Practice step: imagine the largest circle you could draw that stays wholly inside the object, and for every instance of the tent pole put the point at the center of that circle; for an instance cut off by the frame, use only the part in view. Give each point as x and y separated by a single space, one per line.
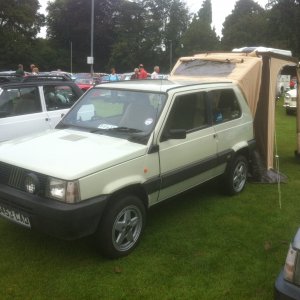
297 152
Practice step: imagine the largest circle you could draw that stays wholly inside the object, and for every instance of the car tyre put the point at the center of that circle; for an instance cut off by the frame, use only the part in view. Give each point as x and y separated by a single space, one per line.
121 227
236 176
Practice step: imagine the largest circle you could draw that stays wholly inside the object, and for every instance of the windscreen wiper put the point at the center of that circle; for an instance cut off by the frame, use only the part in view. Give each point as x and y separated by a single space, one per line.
125 129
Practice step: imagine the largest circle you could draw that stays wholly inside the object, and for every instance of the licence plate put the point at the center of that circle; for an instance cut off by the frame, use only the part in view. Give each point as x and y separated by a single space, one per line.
14 216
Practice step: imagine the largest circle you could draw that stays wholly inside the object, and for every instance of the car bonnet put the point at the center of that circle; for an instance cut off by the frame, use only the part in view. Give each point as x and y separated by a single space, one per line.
67 154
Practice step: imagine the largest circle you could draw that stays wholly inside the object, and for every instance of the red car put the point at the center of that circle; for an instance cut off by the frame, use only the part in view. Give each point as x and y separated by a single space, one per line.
84 83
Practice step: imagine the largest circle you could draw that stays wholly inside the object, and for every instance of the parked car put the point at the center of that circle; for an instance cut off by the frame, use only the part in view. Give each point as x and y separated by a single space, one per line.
106 78
122 148
84 83
287 285
85 80
126 76
33 105
290 101
59 72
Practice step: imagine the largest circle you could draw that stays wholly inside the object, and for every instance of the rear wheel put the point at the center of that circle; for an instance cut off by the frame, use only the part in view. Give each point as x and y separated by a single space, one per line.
236 175
121 227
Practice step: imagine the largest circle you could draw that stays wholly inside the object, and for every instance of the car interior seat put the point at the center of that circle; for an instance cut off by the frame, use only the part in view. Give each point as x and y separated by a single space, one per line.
182 115
225 105
139 114
200 112
6 105
27 104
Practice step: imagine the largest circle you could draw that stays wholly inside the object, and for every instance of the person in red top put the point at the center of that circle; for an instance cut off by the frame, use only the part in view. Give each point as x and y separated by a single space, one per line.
143 74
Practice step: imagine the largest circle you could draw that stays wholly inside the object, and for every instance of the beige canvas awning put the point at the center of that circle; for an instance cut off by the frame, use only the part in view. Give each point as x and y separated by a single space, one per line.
255 73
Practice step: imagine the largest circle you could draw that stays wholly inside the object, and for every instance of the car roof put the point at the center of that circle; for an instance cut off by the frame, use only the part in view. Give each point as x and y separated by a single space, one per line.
157 85
43 79
6 78
292 92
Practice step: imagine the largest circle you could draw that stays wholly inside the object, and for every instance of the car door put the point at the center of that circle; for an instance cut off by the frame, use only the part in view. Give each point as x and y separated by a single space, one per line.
21 112
226 120
58 98
188 159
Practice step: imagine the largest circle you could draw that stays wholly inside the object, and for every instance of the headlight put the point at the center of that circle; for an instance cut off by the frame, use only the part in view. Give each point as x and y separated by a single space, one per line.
65 191
31 183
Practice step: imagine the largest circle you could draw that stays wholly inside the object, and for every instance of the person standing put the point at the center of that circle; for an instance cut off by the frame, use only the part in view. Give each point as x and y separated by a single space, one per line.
154 75
35 70
32 66
135 75
143 73
113 76
20 71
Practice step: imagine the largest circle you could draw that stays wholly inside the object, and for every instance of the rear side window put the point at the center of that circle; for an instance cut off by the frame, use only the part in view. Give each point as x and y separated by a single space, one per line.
225 106
19 101
59 97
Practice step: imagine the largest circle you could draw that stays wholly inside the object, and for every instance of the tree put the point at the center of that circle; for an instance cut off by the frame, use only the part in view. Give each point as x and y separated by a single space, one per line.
144 30
200 36
70 20
175 29
283 24
129 26
19 24
246 26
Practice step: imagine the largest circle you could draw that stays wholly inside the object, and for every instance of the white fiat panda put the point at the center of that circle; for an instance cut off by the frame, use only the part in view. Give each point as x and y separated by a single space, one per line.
122 148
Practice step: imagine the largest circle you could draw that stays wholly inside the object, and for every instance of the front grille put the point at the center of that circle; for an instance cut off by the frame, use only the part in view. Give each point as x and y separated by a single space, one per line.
15 176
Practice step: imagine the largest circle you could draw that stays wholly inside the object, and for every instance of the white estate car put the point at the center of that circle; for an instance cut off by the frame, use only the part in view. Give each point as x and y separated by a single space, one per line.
290 101
122 148
35 105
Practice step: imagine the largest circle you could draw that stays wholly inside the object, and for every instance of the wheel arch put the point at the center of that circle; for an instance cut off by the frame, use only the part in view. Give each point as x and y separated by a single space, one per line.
245 151
135 189
245 148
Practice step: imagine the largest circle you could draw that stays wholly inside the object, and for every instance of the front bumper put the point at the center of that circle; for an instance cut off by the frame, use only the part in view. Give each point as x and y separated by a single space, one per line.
284 290
65 221
290 107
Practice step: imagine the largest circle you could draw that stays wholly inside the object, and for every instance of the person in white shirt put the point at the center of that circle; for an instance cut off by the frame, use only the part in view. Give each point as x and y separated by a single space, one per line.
154 75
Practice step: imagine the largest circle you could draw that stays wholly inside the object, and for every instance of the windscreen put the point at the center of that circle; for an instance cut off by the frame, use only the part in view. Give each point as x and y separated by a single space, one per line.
204 68
122 113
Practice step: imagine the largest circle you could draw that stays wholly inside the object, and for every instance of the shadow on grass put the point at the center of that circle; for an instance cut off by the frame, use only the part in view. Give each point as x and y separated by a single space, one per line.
29 244
16 239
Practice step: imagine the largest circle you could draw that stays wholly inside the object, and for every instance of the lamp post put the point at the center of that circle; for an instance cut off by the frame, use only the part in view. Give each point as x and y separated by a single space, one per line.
71 57
92 38
171 54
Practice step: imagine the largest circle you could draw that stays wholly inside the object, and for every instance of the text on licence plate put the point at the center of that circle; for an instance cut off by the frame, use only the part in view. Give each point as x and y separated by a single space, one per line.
14 216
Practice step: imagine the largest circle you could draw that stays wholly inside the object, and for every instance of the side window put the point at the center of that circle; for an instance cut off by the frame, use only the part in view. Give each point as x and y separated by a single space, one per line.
19 101
59 97
225 106
6 102
188 112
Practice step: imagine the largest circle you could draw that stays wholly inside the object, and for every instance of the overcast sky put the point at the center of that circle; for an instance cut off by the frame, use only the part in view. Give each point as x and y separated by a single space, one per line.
220 9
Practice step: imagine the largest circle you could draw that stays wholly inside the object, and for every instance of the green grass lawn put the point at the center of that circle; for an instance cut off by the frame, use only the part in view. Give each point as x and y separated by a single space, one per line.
199 245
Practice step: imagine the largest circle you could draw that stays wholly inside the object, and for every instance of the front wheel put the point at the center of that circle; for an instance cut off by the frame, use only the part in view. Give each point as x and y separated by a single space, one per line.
236 175
121 227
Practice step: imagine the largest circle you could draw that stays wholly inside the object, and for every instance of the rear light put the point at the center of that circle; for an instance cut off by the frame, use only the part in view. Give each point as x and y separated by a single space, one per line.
291 271
290 265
